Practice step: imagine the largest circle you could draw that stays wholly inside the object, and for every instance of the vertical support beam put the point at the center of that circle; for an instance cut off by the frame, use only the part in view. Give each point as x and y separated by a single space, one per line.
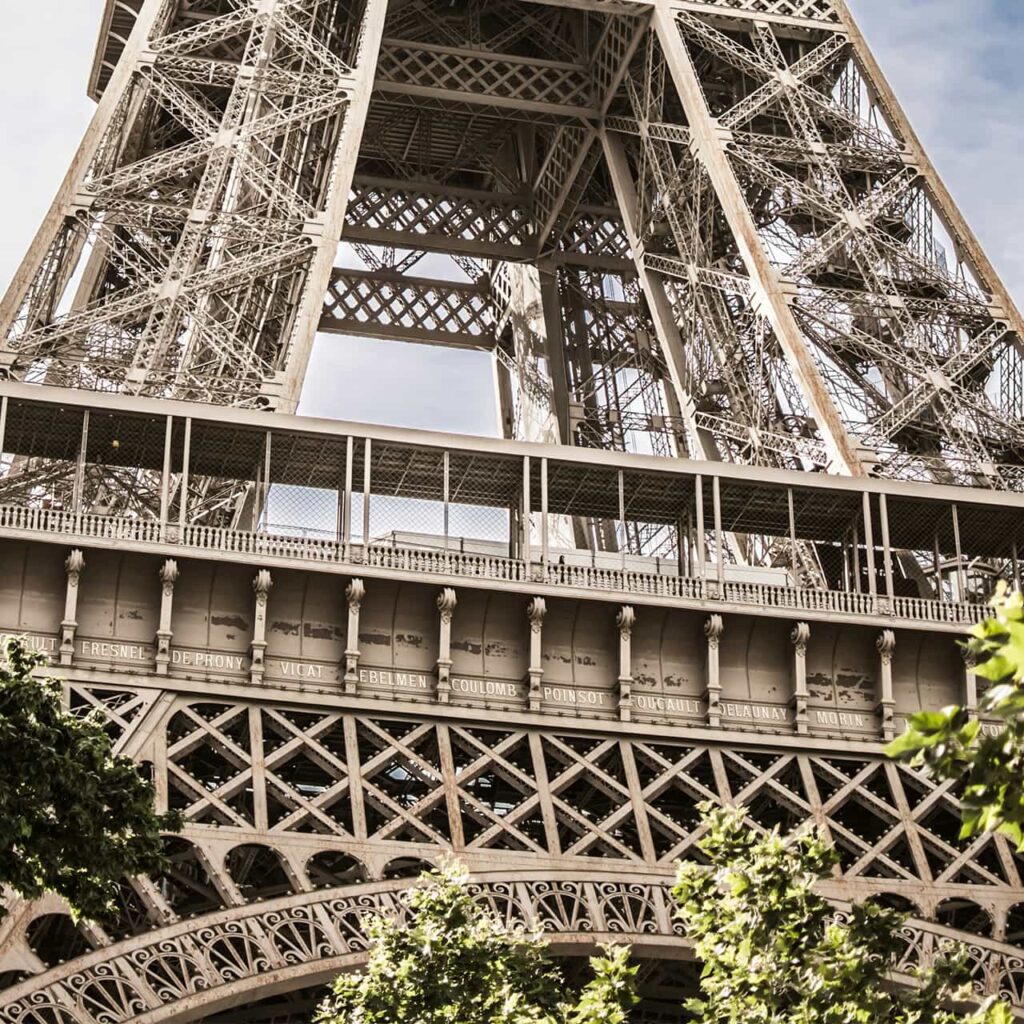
263 511
1015 562
771 294
544 516
624 622
165 478
623 540
79 485
447 493
716 498
961 576
3 422
164 635
355 777
73 566
535 612
800 636
702 555
883 515
869 544
886 644
857 584
526 540
258 649
346 508
446 602
714 627
186 458
354 594
794 561
367 456
970 660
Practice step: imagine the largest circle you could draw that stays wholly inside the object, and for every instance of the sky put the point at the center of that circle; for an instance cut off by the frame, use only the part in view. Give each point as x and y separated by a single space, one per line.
955 64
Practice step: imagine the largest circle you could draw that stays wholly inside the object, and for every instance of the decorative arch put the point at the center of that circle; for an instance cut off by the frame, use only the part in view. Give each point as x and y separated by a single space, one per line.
191 969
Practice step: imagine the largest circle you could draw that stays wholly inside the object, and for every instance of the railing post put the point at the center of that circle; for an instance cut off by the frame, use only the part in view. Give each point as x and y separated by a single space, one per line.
535 612
73 566
800 637
624 622
446 602
886 644
261 585
168 577
714 627
165 477
354 594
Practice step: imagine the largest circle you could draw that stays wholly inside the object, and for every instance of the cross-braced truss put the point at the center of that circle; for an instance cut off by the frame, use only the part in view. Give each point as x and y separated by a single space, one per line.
743 253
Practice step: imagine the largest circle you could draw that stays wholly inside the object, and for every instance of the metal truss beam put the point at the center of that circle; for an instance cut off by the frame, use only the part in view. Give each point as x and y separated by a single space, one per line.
381 304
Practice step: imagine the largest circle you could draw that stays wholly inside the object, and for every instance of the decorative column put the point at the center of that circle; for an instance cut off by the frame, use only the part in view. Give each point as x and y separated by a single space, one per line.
535 612
714 627
168 577
73 566
261 584
886 644
446 602
800 636
625 621
354 594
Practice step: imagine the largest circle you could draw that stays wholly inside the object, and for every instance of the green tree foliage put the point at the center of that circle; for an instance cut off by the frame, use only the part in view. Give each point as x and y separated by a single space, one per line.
74 818
948 745
774 953
453 962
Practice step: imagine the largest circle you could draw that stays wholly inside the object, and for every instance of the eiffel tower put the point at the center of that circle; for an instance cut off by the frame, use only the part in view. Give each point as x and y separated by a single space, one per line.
761 398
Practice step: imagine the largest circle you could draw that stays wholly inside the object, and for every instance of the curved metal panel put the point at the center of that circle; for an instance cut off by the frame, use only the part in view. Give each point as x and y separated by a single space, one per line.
213 619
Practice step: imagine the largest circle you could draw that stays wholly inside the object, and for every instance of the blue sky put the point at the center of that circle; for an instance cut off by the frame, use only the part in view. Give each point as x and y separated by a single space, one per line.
957 66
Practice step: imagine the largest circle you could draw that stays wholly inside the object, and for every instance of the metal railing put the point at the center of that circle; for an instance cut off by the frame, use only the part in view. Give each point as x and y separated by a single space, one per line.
82 527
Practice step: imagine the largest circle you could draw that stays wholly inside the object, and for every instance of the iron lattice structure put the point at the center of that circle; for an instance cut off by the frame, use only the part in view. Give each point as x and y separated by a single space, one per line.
700 239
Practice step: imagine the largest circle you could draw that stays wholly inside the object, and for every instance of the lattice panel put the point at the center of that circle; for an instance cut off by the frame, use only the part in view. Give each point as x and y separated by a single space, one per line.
812 10
395 212
393 306
480 75
478 788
